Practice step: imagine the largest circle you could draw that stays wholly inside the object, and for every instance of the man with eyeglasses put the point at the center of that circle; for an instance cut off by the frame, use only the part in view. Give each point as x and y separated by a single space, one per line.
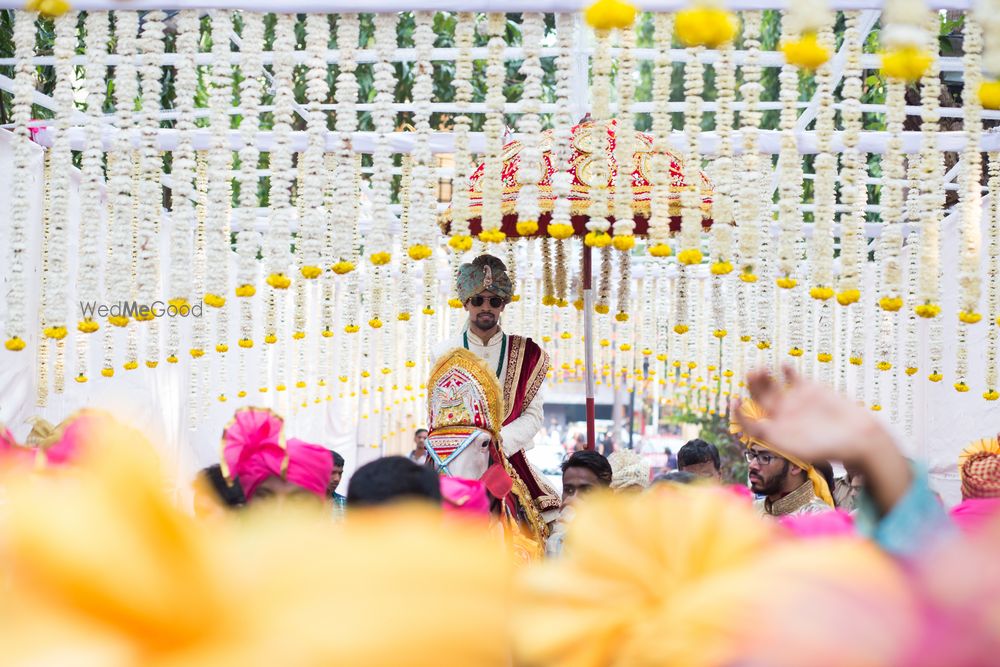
788 485
520 365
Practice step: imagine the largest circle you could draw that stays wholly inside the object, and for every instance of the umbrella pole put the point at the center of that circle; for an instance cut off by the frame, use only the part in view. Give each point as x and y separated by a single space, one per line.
588 344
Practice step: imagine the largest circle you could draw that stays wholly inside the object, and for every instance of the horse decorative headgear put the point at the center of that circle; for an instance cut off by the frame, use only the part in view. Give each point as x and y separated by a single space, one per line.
464 400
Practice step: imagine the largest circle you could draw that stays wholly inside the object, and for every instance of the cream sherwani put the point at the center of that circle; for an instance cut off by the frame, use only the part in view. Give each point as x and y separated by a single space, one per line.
519 434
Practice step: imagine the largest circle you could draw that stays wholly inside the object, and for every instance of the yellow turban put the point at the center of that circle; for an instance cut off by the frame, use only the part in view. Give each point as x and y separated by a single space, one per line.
752 411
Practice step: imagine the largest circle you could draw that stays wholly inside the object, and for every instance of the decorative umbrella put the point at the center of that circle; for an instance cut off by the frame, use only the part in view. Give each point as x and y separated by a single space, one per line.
583 158
581 166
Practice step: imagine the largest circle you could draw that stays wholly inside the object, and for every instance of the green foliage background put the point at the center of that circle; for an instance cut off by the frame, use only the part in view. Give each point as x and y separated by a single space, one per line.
444 27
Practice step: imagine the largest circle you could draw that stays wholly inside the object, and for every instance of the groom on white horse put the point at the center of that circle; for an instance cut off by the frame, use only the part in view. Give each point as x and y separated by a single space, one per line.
519 363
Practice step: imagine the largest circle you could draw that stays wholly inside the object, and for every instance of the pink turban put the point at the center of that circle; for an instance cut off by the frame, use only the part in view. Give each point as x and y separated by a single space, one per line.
973 514
464 496
254 449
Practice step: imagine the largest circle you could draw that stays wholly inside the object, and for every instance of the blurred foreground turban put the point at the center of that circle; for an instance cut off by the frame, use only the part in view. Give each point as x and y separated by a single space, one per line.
100 569
50 445
254 448
485 272
959 584
13 456
752 411
979 467
686 575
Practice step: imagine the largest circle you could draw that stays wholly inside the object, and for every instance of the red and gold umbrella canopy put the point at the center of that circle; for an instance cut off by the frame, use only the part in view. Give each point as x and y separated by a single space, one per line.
581 165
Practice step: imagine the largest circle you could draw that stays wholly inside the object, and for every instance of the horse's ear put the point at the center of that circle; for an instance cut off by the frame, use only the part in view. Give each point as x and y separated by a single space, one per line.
497 481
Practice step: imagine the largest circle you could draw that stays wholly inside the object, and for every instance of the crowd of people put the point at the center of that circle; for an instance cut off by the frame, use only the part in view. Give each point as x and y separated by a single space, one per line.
680 569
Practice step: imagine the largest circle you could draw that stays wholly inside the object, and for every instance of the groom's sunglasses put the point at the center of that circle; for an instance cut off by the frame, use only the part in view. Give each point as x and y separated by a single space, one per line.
477 301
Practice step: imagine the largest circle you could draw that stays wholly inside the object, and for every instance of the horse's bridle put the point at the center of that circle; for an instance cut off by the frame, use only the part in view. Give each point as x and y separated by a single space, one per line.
442 464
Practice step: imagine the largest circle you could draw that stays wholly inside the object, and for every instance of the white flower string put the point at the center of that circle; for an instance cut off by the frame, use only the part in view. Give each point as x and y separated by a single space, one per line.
969 286
135 204
55 300
266 354
694 85
277 242
378 245
199 261
301 295
182 222
548 273
530 171
604 288
625 144
854 171
682 312
197 391
843 344
248 240
722 203
24 90
281 354
150 192
561 275
511 262
854 197
650 314
406 201
821 247
825 165
560 225
219 163
932 193
430 289
465 29
893 177
748 220
765 294
600 91
309 244
659 212
116 285
424 209
624 286
789 177
328 284
491 215
992 392
911 341
45 347
346 207
92 211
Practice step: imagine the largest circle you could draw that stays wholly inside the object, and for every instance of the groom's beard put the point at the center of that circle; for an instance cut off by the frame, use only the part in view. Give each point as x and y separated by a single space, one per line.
485 321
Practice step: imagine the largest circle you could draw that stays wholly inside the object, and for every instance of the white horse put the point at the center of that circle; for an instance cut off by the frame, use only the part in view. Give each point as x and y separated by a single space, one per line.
465 409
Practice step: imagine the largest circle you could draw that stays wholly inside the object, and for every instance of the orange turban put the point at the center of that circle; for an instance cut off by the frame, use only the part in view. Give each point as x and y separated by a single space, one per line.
752 411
